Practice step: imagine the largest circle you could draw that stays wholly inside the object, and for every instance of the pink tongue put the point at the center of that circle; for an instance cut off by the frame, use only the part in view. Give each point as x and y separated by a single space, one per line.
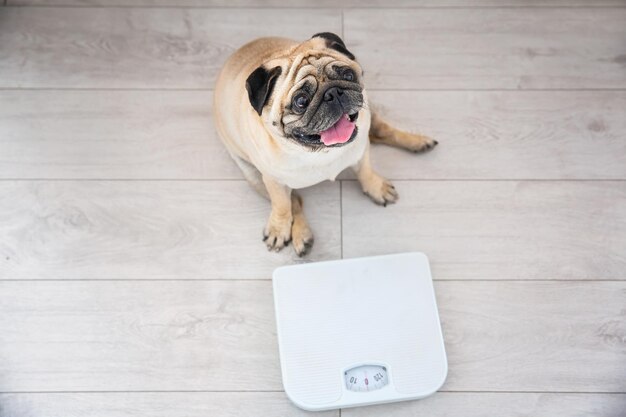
339 133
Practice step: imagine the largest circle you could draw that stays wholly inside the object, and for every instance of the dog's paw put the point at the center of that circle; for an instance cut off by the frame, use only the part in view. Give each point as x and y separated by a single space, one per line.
301 236
380 190
277 232
417 143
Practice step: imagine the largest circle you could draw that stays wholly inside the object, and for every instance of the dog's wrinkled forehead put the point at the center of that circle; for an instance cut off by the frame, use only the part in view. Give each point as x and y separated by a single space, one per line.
316 59
315 54
317 68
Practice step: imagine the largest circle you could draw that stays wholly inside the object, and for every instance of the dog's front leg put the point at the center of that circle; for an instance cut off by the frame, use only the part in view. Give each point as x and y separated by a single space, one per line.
301 234
379 189
277 232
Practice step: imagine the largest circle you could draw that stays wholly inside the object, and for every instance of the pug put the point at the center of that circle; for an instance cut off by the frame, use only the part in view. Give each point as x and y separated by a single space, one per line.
294 114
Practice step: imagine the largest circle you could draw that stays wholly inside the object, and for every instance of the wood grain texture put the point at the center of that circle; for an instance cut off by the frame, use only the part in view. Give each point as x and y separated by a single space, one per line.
220 335
148 286
111 135
266 4
200 404
143 230
138 335
446 404
320 3
171 404
496 230
489 48
107 46
137 48
469 3
507 134
170 135
534 336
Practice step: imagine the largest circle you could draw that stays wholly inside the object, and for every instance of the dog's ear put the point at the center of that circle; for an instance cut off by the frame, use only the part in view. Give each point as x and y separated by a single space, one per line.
260 85
335 42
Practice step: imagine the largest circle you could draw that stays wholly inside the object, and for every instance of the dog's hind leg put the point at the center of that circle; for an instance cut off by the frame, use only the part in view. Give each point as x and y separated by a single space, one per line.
252 175
383 132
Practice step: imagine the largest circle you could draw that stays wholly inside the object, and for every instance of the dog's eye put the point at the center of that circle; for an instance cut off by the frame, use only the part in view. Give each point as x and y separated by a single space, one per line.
301 101
348 75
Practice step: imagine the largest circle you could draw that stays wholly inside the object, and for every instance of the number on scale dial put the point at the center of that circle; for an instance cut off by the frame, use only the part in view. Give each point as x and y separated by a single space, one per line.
366 378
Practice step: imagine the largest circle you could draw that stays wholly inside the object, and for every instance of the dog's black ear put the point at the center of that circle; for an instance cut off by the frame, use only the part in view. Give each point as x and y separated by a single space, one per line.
260 85
335 42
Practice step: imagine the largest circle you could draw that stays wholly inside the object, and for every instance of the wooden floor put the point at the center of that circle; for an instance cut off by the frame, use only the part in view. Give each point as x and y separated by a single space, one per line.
133 280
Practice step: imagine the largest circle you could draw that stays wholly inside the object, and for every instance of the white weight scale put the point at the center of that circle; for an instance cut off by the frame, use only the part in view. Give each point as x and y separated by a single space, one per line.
359 331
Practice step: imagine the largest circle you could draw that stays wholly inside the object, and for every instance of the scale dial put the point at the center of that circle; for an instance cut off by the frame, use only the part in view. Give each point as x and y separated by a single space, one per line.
366 378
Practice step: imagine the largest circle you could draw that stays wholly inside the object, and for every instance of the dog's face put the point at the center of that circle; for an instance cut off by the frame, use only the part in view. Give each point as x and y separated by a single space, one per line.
312 95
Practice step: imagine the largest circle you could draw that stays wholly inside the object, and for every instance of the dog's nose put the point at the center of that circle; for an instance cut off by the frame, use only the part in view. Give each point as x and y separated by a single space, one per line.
333 93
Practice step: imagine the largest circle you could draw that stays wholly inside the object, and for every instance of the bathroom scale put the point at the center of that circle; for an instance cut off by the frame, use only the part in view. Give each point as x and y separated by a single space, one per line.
358 332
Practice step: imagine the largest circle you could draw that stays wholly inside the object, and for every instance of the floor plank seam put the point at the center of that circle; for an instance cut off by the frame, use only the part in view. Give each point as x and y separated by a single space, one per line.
599 89
341 217
534 392
183 7
343 31
138 392
346 179
282 391
500 179
383 90
471 7
104 89
321 8
134 279
269 279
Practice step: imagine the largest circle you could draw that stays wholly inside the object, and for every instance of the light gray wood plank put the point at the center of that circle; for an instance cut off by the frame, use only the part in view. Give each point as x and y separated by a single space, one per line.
137 48
220 335
183 3
320 3
508 134
534 336
111 135
138 335
496 230
170 404
489 48
447 404
468 3
142 230
170 135
174 404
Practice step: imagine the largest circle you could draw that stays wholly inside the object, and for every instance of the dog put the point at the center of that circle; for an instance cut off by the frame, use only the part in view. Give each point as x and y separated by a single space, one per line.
294 114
